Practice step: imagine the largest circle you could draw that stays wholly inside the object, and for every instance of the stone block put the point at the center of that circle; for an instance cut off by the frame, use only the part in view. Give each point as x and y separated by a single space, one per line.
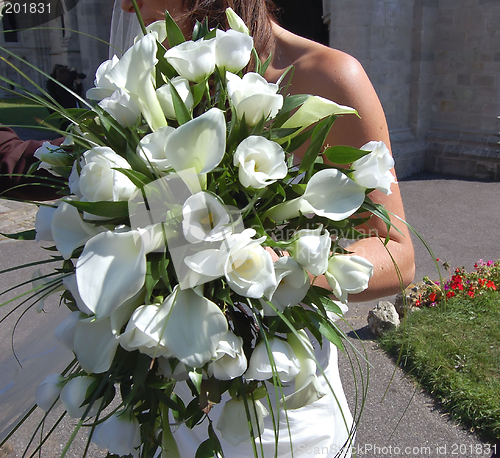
464 80
483 80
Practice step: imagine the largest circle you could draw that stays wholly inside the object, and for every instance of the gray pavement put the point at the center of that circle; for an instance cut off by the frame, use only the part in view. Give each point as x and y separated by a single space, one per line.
459 219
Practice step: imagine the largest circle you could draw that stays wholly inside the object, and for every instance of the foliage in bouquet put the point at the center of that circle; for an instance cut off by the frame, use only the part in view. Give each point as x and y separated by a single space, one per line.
190 242
485 277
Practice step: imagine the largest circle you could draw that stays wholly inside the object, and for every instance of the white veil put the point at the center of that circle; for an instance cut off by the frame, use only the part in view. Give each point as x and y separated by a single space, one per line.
124 28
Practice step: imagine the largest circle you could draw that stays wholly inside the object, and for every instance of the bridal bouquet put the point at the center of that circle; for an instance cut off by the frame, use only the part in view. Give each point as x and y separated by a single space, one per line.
190 243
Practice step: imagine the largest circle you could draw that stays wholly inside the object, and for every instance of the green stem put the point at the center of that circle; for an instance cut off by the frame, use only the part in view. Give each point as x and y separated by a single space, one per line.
169 446
139 17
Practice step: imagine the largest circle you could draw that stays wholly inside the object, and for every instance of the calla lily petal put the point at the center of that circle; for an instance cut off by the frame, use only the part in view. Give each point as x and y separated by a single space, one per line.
314 109
233 421
95 345
120 434
307 386
194 328
111 269
134 73
43 224
69 230
198 144
329 193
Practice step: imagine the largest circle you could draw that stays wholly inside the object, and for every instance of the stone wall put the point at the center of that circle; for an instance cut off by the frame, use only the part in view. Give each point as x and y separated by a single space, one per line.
45 48
436 67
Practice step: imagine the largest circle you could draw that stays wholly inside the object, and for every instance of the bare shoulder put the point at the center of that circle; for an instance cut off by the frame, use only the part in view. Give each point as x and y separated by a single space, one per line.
333 74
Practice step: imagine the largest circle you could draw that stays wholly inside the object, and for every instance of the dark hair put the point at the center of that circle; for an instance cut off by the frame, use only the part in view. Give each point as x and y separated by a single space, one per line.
257 15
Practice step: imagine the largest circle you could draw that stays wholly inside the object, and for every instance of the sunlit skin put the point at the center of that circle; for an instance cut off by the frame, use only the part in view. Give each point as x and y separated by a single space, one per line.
332 74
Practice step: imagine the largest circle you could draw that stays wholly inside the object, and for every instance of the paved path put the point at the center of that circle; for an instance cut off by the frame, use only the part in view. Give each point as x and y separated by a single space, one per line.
460 220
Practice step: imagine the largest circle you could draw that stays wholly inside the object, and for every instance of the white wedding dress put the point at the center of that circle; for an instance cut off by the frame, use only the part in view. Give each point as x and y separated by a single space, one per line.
323 429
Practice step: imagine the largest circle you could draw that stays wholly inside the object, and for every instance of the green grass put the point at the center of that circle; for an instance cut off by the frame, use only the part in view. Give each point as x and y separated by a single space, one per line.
453 350
22 112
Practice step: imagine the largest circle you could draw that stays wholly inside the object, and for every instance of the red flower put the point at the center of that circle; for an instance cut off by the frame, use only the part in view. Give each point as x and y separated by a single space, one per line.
432 297
450 294
491 284
470 293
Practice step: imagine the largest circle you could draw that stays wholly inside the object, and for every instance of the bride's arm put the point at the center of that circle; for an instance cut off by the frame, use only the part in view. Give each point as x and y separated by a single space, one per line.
340 77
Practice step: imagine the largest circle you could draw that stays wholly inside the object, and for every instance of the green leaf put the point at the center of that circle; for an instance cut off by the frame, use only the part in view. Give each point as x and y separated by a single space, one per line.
163 67
139 179
174 34
104 208
181 112
200 29
165 399
141 369
138 164
326 328
344 154
290 103
318 138
265 65
193 413
206 450
25 235
299 140
279 133
198 91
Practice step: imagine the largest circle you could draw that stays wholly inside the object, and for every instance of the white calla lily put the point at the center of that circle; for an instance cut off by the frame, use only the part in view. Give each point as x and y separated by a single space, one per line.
164 94
120 434
121 107
311 249
158 27
103 86
313 110
47 393
235 22
134 73
308 389
43 224
65 330
348 274
232 50
144 331
205 219
204 266
253 97
69 230
194 60
373 171
111 269
179 372
286 364
199 144
233 421
74 394
69 283
194 327
292 285
95 344
260 162
44 287
329 193
230 360
152 148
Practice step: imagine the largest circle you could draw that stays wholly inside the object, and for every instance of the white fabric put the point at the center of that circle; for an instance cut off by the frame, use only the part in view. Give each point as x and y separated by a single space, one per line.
124 28
317 431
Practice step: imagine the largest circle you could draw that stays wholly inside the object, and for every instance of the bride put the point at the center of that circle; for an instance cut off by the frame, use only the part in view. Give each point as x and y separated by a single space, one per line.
324 427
